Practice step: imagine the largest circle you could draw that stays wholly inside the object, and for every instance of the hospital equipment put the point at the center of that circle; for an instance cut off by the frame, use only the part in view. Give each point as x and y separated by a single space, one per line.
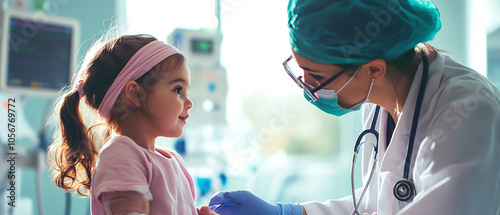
37 53
208 89
404 190
207 124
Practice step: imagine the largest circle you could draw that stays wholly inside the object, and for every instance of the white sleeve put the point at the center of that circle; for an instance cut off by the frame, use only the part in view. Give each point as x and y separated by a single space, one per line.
343 205
340 206
456 168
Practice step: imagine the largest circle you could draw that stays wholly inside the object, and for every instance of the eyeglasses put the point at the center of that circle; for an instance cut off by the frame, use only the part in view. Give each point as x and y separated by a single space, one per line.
311 93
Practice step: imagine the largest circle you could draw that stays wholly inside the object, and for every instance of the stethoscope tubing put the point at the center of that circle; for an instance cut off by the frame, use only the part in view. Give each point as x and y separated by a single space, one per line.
356 205
373 131
416 115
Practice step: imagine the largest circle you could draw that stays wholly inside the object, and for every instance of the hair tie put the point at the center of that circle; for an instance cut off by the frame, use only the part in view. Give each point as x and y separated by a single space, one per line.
79 87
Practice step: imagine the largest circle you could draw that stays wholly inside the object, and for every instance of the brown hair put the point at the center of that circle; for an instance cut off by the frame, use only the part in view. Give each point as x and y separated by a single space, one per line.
401 63
73 153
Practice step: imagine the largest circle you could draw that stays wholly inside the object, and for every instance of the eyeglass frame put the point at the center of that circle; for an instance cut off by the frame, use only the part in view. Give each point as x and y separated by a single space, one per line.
310 92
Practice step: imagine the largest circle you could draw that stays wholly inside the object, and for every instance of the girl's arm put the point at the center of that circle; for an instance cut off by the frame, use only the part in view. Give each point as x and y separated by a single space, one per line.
125 203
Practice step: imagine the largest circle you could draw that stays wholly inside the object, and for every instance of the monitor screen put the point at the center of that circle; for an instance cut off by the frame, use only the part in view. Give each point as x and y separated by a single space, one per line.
202 46
38 56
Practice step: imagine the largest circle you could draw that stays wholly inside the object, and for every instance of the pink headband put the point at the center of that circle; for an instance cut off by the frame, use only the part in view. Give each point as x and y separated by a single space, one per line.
145 59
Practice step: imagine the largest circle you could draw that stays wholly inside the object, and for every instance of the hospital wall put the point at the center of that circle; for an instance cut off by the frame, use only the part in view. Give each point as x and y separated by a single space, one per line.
470 33
494 57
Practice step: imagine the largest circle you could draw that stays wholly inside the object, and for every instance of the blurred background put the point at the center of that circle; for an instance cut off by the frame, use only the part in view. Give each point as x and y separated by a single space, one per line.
250 127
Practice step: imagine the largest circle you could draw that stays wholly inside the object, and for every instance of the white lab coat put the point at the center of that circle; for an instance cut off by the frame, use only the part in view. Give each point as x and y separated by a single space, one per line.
456 157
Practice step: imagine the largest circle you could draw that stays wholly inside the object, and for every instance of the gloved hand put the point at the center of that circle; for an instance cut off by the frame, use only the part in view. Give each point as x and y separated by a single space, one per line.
243 202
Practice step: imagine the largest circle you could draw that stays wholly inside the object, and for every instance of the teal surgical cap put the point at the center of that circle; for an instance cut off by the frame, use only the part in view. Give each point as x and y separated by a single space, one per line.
359 31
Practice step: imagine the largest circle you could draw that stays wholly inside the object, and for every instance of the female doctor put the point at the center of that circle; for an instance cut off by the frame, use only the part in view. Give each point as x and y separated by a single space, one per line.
434 122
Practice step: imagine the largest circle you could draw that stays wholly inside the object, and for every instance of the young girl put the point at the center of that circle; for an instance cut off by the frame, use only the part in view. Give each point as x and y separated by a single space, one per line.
137 86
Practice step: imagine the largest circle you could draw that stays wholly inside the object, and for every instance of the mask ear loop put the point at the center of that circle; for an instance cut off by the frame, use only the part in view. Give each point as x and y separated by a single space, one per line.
366 99
370 90
357 70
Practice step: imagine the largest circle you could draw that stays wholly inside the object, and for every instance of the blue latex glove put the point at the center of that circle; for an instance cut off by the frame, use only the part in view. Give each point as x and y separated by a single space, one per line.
243 202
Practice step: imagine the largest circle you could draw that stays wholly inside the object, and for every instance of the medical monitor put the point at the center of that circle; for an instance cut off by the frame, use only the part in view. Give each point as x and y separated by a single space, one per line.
37 53
202 47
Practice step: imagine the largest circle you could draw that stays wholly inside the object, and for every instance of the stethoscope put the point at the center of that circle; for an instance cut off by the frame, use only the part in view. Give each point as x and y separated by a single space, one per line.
404 190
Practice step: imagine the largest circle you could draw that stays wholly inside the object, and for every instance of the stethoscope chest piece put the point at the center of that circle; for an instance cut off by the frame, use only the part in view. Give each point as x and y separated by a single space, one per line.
404 190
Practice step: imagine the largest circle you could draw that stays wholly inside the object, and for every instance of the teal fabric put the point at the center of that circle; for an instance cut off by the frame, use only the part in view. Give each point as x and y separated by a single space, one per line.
359 31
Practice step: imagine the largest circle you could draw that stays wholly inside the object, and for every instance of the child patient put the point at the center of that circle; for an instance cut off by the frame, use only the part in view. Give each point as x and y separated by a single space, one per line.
137 87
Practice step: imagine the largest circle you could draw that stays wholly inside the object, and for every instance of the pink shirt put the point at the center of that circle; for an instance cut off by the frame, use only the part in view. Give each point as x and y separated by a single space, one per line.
124 166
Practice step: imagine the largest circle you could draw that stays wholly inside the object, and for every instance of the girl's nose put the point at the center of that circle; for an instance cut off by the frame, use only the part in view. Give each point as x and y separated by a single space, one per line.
189 104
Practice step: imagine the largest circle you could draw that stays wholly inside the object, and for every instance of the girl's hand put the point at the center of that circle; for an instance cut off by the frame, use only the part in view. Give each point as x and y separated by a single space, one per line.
205 210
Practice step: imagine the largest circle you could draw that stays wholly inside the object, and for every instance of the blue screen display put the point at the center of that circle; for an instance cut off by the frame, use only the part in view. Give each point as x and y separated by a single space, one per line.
39 55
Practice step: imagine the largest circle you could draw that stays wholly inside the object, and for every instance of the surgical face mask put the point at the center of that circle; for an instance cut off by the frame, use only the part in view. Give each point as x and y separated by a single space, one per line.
328 100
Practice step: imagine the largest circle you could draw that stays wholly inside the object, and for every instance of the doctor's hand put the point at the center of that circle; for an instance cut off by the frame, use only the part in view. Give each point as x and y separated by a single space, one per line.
245 203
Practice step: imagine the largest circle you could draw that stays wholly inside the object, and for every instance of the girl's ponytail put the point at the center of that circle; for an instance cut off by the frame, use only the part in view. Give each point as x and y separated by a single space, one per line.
75 152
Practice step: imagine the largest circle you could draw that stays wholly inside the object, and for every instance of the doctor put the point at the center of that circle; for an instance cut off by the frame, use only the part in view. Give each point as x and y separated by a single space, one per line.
434 122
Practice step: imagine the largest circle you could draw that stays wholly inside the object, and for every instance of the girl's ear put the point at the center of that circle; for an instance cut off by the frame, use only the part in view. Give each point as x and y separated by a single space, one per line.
134 93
